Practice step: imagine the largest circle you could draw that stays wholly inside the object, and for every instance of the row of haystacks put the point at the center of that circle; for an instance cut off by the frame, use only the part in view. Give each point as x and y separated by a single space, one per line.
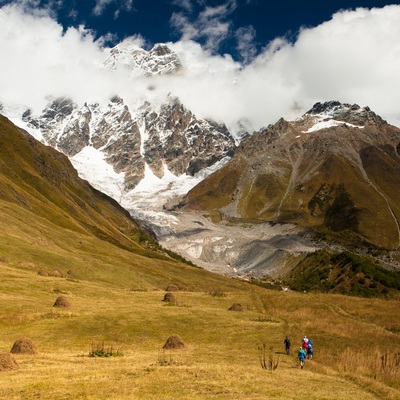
56 273
171 299
25 345
175 341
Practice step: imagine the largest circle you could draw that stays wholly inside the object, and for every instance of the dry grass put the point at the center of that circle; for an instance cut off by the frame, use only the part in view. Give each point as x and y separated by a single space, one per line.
221 360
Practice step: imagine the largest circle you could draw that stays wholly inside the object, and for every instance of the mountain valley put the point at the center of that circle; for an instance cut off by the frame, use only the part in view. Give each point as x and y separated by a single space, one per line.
235 203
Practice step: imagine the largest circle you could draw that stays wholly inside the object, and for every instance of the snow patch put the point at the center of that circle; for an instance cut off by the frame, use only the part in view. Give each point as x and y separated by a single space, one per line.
329 123
14 114
91 165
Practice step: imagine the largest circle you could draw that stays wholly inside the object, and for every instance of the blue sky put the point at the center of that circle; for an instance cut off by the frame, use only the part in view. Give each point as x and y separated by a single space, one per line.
241 28
246 61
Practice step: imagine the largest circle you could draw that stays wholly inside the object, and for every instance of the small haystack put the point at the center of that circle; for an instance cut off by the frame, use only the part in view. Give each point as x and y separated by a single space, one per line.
42 272
23 346
174 342
56 273
235 307
61 301
7 362
170 298
172 288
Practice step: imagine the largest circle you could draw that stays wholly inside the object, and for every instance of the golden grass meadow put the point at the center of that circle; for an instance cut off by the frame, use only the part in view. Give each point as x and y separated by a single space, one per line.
356 342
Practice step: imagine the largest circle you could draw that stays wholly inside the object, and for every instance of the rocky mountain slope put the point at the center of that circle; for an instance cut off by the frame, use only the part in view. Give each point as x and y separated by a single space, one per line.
337 168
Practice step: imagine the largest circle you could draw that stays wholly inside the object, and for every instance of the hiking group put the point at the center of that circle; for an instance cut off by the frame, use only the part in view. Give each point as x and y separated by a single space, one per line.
306 350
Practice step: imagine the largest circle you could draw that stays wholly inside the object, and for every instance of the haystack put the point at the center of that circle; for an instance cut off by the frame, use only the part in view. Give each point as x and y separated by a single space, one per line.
23 346
56 273
172 288
170 298
61 301
174 342
235 307
42 272
7 362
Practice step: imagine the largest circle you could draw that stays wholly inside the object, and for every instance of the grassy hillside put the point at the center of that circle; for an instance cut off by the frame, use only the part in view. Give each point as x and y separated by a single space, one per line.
344 272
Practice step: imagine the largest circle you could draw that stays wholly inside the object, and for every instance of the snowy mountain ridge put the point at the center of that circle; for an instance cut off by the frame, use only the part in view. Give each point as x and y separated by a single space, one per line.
159 60
115 148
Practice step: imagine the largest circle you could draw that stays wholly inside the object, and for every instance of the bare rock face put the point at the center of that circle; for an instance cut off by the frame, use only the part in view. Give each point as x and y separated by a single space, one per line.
183 142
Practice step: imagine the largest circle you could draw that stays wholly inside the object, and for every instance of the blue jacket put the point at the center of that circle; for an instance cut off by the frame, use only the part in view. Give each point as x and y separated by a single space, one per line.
302 355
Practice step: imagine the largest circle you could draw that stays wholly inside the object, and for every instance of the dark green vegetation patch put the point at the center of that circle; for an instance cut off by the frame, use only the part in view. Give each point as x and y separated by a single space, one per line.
342 272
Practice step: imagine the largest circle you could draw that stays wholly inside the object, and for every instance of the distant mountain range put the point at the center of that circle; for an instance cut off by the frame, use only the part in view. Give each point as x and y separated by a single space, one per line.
335 171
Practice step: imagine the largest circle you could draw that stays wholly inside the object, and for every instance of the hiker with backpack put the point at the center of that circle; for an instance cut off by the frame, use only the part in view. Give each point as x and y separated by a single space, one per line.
310 350
304 344
287 345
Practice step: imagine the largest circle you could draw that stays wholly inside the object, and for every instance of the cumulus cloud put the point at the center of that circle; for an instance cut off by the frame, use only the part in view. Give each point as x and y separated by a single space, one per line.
354 57
39 59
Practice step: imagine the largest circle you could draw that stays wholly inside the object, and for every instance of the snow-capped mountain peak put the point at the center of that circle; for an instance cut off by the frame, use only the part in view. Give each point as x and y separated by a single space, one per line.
333 113
169 142
159 60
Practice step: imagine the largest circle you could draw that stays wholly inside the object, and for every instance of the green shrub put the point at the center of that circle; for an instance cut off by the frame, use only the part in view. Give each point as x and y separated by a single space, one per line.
100 350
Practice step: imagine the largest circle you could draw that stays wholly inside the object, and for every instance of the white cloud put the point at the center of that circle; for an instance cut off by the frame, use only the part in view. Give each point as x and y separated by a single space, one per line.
39 59
211 24
187 5
245 43
121 5
100 6
354 57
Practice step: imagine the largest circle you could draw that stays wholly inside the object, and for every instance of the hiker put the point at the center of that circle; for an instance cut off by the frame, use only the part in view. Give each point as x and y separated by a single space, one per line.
287 345
310 350
302 356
